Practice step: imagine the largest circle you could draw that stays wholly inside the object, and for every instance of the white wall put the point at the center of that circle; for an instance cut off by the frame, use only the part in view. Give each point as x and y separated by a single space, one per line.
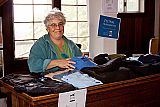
98 44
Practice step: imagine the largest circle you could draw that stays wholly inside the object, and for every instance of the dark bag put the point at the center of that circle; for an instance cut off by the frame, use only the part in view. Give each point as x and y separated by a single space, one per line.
110 66
112 71
18 79
146 69
149 59
36 86
101 59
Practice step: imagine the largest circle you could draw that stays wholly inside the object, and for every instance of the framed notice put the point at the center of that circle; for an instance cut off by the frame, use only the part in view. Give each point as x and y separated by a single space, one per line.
110 6
109 27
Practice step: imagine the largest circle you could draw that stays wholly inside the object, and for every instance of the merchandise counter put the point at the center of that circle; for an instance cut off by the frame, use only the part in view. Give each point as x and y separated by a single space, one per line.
142 91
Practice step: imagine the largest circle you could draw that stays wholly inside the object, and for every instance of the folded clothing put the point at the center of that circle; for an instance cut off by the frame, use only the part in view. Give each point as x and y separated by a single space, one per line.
47 86
149 59
78 79
36 86
82 62
146 69
101 59
111 71
18 79
106 77
110 66
104 58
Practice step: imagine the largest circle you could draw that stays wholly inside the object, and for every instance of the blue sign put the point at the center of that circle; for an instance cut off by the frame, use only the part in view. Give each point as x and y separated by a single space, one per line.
109 27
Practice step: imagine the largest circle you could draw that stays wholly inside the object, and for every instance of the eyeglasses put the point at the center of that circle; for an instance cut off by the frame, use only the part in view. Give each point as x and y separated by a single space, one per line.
54 25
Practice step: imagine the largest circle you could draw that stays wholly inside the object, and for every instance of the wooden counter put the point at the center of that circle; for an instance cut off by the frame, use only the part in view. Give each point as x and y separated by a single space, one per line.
138 92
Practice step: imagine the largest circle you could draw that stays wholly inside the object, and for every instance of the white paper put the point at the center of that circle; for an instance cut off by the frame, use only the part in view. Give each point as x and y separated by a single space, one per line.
75 98
109 6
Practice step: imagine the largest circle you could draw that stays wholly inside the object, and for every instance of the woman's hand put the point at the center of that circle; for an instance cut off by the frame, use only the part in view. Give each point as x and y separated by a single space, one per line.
62 63
65 63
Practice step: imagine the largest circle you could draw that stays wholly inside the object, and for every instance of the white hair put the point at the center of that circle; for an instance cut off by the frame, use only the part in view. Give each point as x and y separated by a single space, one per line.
54 13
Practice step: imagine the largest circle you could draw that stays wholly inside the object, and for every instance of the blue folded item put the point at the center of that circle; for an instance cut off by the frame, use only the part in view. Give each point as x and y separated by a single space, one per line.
82 62
78 79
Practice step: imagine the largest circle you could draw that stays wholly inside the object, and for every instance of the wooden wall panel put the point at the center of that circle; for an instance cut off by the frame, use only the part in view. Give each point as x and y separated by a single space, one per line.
7 29
136 30
159 29
2 2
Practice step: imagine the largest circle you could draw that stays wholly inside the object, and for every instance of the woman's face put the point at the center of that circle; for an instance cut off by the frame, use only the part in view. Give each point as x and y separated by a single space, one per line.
56 29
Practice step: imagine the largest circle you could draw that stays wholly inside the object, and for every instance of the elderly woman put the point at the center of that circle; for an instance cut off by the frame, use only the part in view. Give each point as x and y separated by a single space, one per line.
53 50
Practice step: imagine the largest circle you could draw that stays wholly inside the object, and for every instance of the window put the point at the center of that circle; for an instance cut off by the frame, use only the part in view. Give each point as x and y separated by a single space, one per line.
28 23
130 6
76 27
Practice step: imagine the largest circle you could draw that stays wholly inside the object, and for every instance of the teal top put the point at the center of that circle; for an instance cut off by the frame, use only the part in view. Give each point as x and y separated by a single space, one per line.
66 51
43 51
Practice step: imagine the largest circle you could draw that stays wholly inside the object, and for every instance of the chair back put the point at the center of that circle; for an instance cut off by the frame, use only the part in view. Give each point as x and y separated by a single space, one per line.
154 46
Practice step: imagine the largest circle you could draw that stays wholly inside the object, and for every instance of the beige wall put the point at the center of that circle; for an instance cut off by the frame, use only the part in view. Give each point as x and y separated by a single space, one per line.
98 44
